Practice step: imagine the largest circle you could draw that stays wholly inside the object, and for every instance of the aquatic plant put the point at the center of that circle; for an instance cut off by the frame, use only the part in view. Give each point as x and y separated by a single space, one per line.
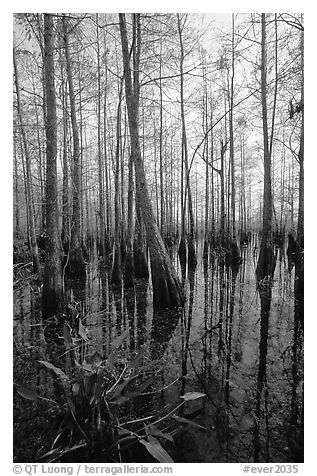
93 421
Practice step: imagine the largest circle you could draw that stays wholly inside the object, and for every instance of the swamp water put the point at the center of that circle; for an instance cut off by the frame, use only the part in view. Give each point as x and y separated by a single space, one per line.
241 347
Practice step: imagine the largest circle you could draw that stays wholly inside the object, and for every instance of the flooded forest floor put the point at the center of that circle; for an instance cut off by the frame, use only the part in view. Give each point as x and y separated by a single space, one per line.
237 354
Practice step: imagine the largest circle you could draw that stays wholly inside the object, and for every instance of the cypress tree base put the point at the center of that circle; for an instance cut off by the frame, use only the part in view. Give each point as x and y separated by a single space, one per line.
76 265
266 261
167 291
52 302
141 268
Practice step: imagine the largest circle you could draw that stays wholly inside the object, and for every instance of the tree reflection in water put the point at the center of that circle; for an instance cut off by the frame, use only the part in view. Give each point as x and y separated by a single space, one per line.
262 388
243 348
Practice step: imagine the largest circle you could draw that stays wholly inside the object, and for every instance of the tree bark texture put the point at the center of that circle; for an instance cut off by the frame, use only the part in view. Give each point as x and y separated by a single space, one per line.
52 297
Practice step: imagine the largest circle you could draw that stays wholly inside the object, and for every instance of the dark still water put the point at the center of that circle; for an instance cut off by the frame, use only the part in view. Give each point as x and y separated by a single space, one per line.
241 347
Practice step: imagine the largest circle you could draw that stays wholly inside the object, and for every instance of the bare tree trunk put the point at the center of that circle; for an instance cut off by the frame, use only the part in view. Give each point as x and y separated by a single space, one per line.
108 221
243 215
29 192
266 260
140 245
107 194
40 39
25 190
167 290
155 178
140 253
300 216
192 260
173 197
234 249
206 154
100 158
282 221
52 297
76 264
222 194
17 231
116 274
41 194
82 231
122 181
129 263
163 215
212 191
65 235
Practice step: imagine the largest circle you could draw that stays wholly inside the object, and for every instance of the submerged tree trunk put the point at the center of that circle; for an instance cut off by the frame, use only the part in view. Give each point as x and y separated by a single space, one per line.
76 264
167 290
52 297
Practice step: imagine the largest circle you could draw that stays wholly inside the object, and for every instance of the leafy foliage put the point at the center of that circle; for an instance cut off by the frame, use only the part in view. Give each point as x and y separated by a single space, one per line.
155 449
93 424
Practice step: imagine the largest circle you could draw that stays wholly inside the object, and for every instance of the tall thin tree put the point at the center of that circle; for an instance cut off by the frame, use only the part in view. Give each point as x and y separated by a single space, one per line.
235 253
52 297
266 260
76 264
100 153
